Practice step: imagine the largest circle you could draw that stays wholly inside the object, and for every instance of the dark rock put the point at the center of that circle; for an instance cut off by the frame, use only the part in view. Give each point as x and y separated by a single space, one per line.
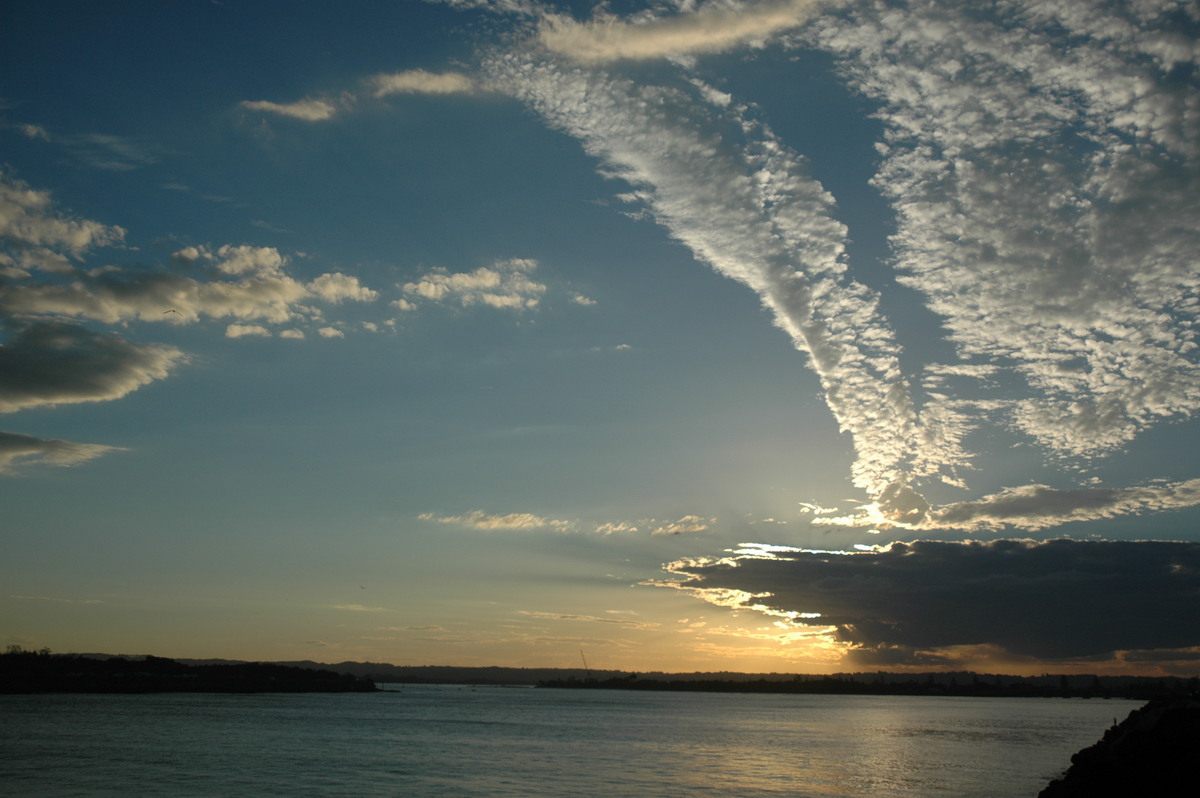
1154 753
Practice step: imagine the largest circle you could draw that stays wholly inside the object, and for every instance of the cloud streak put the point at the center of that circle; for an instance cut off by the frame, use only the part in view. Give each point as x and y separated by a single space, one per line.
418 81
754 213
304 110
712 28
19 451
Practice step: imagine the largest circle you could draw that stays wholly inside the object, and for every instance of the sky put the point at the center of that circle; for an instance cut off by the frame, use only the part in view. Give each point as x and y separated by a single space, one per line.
747 335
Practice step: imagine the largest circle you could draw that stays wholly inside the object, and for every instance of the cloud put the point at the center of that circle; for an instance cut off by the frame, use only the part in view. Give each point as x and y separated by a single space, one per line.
35 132
685 525
337 287
330 332
615 528
18 451
742 202
52 363
477 519
1047 600
1034 507
562 616
29 223
57 600
1044 165
1044 168
246 283
305 110
506 284
418 81
108 152
244 330
712 28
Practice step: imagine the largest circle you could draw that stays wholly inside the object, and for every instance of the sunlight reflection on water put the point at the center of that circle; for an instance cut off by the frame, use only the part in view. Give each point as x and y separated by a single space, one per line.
449 740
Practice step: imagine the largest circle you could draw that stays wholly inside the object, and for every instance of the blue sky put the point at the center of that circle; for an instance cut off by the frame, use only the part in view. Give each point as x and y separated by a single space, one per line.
773 335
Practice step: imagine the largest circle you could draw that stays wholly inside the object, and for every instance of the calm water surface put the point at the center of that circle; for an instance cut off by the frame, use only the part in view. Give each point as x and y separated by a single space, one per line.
494 741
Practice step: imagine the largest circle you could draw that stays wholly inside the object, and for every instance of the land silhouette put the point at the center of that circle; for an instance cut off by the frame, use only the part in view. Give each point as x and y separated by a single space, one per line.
43 671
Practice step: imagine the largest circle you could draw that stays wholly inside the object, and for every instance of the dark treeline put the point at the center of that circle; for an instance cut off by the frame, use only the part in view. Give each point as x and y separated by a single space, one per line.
938 684
42 672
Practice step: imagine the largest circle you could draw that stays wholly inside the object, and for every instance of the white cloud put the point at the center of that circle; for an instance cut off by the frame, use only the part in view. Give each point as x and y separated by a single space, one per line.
477 519
1046 183
1036 507
330 332
1044 164
27 219
712 28
755 215
337 287
306 110
295 335
685 525
418 81
615 527
506 284
243 283
244 330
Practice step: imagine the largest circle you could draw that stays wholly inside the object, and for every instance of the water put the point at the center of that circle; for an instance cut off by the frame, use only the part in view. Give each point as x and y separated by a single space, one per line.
426 740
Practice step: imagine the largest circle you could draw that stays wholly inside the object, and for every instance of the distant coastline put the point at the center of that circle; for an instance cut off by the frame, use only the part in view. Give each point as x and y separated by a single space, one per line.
42 672
27 671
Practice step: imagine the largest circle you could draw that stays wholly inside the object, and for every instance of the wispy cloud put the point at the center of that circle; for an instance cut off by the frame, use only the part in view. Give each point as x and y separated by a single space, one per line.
713 27
477 519
418 81
688 524
18 451
57 600
563 616
304 110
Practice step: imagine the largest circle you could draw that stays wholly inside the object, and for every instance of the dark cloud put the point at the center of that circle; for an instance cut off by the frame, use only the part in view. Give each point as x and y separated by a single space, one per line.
1047 600
20 450
52 363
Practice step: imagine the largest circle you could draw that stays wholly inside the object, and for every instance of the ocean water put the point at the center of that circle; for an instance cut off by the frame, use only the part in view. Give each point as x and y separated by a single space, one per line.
420 740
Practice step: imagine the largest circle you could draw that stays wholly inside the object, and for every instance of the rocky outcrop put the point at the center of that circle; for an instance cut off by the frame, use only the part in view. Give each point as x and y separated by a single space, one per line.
1154 753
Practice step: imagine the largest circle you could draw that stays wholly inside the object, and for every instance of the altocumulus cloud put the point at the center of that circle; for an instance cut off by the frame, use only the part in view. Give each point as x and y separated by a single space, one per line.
712 28
506 284
924 601
1043 166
